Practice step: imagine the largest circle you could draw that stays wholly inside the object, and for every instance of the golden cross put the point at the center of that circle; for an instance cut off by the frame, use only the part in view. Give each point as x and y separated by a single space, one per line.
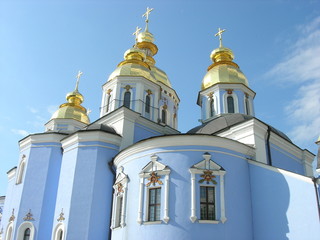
136 33
219 33
147 13
78 78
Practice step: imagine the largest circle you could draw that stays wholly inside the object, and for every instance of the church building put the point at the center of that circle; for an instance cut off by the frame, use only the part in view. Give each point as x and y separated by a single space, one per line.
132 175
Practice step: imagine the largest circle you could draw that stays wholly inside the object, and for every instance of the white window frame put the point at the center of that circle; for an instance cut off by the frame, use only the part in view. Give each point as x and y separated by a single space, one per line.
122 179
164 172
60 227
197 169
22 229
21 170
9 232
235 102
248 111
215 105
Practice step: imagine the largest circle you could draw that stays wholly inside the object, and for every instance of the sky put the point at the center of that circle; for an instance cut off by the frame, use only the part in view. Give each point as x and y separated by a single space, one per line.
43 45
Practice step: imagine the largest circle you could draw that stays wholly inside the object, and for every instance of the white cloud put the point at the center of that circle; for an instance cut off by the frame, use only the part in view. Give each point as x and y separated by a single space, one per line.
32 109
20 132
301 67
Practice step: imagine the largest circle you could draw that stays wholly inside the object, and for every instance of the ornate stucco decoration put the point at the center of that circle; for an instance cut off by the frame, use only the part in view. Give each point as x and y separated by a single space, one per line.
119 188
29 216
11 219
61 216
208 177
153 179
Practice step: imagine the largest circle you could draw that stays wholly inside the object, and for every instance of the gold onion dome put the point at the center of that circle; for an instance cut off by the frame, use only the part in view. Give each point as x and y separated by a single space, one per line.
223 69
133 65
139 60
73 109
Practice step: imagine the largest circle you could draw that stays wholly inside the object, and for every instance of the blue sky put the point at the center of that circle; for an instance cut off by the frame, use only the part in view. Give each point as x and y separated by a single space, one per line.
43 44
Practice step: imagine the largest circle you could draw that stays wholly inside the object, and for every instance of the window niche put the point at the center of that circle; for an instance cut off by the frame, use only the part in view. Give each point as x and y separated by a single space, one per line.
154 193
119 199
26 231
21 170
207 192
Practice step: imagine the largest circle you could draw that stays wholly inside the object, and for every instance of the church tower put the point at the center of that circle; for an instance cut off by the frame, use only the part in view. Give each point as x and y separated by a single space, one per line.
139 95
70 116
224 88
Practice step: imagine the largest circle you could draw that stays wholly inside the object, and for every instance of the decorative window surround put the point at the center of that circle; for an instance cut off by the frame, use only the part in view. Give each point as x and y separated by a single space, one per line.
22 228
235 101
119 200
59 229
147 173
21 170
9 231
197 169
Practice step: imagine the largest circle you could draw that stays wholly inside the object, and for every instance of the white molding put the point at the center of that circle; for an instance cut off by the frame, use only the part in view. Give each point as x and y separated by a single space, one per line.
235 102
58 227
209 221
9 234
184 140
207 164
161 170
40 138
23 226
91 136
11 173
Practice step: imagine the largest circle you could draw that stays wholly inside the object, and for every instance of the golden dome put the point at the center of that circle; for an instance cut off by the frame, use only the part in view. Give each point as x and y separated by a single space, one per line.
72 109
145 36
161 76
223 69
133 65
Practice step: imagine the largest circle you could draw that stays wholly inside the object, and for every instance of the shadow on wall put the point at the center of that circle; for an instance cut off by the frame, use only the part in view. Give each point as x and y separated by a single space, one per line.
270 201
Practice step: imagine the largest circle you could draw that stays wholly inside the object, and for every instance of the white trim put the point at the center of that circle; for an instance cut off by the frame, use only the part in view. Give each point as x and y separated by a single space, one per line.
40 138
59 227
208 105
162 170
198 168
23 227
21 170
9 232
235 102
122 179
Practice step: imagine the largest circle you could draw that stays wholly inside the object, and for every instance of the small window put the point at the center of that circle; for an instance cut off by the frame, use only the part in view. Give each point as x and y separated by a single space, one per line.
212 111
60 234
21 170
207 203
119 211
154 204
26 235
164 116
247 106
147 107
230 103
127 98
108 103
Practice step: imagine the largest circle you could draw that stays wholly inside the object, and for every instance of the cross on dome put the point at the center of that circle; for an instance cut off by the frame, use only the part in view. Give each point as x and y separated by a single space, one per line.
219 33
147 13
136 33
78 79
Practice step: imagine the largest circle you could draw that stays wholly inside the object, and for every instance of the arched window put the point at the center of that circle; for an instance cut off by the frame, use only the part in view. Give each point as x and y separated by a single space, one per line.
127 98
164 116
147 107
9 231
26 235
247 106
230 104
108 102
59 232
26 231
21 170
212 111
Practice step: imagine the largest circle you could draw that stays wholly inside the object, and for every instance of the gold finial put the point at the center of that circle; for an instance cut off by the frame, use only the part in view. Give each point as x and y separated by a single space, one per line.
78 78
136 33
146 14
219 33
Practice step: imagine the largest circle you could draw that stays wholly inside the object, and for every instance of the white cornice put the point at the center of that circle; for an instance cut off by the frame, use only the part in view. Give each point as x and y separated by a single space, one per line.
40 138
184 140
90 136
11 173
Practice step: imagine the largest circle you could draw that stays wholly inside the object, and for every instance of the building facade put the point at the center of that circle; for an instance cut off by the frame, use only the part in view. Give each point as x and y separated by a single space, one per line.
132 175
